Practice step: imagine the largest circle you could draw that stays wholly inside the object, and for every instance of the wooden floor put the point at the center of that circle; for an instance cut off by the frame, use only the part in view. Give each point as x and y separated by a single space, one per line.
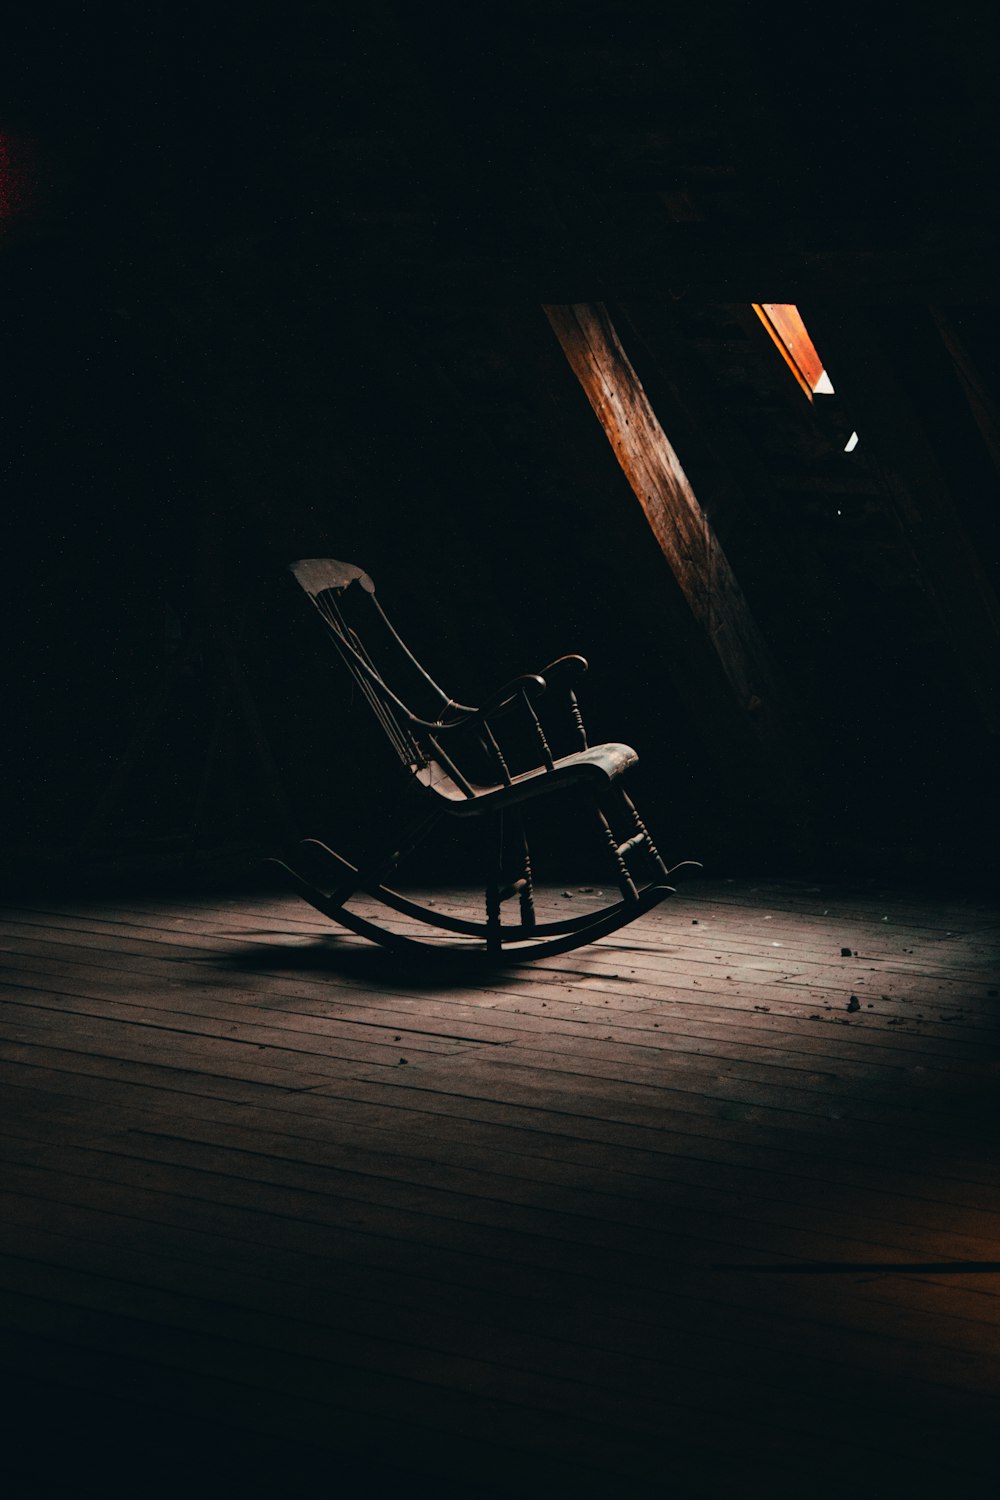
709 1209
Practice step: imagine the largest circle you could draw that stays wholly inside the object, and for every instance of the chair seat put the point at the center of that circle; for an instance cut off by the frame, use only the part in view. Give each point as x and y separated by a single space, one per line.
601 763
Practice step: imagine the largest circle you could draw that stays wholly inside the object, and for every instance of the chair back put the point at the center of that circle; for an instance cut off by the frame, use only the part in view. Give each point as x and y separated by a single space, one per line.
384 669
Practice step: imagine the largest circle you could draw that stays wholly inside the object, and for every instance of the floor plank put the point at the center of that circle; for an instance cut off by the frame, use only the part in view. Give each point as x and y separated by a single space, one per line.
713 1206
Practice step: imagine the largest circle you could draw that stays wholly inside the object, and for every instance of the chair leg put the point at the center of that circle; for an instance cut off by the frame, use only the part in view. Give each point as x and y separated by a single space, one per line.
643 831
526 895
625 882
500 889
494 895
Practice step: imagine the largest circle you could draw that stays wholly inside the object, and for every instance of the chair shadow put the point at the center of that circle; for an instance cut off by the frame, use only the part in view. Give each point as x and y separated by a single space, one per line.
331 955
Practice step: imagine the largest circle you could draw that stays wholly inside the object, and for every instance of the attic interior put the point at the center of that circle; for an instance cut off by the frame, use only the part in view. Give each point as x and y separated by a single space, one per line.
436 292
276 290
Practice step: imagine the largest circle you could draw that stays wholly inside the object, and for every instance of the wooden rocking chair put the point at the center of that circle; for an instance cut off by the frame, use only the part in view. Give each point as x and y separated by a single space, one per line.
452 754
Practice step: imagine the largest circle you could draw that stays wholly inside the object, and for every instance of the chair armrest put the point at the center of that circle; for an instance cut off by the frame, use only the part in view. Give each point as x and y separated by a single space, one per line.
531 684
516 693
562 676
562 673
565 672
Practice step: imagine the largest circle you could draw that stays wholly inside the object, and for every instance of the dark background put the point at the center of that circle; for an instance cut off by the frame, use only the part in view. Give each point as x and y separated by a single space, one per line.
272 285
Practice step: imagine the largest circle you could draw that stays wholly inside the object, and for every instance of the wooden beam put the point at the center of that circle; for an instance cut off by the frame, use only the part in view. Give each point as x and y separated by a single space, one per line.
683 531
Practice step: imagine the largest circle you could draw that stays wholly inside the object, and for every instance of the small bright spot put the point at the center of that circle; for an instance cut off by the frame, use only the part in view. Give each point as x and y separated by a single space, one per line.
852 443
824 385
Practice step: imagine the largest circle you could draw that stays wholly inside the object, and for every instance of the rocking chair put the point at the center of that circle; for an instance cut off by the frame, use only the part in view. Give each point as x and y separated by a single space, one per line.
453 757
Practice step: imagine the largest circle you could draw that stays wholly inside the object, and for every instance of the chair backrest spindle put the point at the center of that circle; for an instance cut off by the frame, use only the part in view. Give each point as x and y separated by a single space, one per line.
344 597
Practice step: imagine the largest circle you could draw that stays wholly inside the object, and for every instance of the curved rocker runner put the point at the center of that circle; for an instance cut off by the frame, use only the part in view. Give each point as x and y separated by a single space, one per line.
459 760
